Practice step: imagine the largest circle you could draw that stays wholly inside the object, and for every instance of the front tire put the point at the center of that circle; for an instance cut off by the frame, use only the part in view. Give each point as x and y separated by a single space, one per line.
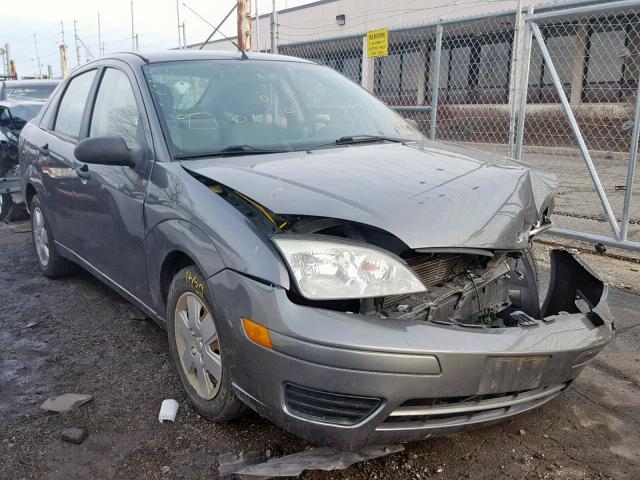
51 264
195 342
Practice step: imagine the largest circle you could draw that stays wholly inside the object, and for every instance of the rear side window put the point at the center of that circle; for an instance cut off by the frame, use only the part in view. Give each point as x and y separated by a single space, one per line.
71 109
115 111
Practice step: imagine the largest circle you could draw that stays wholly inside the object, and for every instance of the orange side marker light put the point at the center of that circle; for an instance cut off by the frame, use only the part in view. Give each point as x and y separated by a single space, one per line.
257 333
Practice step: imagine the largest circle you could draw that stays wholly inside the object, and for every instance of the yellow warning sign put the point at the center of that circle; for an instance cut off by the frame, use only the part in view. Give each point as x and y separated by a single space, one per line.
378 43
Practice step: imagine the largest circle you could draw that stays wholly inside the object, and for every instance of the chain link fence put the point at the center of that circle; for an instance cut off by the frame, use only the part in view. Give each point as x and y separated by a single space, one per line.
475 73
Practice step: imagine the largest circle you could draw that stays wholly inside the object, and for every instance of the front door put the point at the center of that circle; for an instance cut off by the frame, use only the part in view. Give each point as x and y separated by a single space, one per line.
109 199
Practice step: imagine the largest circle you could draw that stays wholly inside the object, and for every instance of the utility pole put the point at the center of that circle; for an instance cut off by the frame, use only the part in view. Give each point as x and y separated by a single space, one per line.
6 59
257 28
184 36
75 34
133 36
244 24
100 45
178 15
274 28
49 72
35 41
137 47
64 67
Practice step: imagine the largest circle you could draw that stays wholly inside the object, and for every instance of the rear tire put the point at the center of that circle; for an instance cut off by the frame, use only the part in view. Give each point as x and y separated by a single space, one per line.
51 264
196 345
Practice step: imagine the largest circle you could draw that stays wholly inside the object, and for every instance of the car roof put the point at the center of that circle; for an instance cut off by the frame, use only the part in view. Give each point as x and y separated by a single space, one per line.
175 55
16 102
29 83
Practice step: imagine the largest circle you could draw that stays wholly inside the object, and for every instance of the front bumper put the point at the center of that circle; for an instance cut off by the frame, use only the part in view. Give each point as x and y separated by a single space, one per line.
351 380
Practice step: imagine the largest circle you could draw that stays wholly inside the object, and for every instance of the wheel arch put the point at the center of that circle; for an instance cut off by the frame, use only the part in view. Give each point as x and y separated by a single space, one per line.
172 245
175 261
29 193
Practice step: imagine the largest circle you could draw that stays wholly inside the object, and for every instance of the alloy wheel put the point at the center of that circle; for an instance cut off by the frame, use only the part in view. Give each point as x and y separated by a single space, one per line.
40 236
197 345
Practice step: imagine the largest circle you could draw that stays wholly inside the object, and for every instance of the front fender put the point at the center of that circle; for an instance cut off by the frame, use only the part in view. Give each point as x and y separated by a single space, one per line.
182 236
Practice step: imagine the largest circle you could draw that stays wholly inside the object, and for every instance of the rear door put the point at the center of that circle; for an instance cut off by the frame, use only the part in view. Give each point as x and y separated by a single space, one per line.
109 199
56 143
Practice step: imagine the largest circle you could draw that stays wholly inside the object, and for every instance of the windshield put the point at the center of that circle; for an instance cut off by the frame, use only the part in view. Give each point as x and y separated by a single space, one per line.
209 106
21 114
35 92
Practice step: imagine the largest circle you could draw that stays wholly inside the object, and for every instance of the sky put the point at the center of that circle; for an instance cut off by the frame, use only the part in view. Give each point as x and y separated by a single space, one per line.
155 22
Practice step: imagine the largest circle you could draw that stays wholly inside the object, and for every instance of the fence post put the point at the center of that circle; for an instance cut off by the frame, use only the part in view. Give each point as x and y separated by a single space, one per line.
576 131
631 169
523 86
435 82
514 75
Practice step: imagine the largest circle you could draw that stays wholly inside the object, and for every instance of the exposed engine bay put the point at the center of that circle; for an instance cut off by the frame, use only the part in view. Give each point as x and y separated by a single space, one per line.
464 287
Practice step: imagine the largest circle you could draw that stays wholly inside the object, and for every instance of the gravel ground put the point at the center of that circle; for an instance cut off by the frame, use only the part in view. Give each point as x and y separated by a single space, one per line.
76 335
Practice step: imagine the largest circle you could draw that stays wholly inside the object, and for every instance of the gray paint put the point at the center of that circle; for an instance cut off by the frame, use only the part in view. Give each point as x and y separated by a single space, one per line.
411 191
121 224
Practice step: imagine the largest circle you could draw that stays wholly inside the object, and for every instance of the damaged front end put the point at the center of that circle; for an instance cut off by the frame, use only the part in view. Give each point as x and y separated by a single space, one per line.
463 287
401 343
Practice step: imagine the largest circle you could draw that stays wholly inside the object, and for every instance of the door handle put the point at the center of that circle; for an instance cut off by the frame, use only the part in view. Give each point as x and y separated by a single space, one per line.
83 172
44 149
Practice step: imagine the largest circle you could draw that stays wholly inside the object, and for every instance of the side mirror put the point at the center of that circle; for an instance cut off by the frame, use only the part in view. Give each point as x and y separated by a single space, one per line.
105 151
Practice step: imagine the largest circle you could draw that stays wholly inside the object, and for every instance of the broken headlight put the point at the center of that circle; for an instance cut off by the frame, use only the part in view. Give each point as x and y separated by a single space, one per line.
327 270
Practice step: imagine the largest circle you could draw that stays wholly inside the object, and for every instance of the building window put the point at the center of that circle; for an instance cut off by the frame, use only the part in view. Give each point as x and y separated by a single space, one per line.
606 64
399 74
561 42
343 58
493 72
474 69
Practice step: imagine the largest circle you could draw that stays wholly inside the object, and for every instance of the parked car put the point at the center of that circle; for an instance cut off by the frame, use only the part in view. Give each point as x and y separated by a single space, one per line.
27 89
310 254
20 101
14 114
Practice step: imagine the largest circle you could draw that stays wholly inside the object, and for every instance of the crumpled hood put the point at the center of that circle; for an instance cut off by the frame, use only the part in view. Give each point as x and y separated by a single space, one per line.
429 195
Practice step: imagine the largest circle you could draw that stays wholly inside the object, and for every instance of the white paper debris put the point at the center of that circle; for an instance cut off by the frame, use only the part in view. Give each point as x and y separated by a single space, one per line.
168 410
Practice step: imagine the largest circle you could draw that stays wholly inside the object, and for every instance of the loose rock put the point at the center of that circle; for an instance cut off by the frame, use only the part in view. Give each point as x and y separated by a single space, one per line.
66 402
74 435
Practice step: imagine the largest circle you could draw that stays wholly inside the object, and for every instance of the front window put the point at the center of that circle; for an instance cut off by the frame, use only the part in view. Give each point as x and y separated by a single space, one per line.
33 92
115 111
210 105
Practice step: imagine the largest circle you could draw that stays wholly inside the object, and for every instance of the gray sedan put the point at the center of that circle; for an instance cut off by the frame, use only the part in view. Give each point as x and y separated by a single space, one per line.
310 254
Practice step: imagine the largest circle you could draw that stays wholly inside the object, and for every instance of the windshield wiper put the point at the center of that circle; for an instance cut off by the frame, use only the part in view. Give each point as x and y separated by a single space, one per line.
250 149
231 150
354 139
351 139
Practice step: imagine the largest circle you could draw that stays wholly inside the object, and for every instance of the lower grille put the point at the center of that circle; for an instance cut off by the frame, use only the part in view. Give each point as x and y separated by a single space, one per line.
432 271
329 407
459 411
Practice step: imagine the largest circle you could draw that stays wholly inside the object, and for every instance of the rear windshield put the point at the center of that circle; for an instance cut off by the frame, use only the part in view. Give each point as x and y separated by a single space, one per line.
36 92
21 114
